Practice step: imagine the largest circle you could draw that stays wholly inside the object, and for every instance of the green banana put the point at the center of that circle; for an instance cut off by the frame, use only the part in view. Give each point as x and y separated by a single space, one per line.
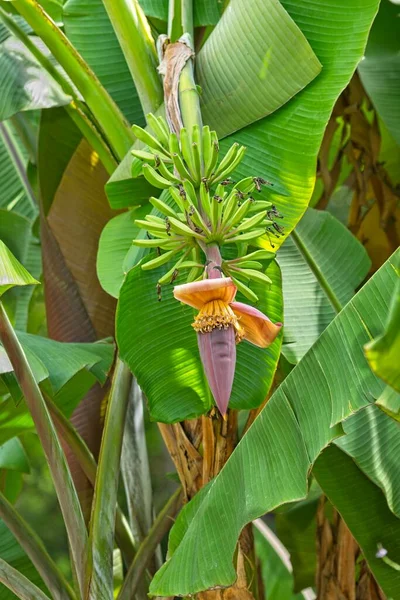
186 151
173 144
233 165
197 161
167 174
250 222
197 219
246 185
249 235
190 192
178 199
254 275
161 260
158 242
206 145
180 166
227 160
240 213
146 137
159 129
143 155
260 254
260 205
246 291
182 229
205 199
162 207
213 158
155 178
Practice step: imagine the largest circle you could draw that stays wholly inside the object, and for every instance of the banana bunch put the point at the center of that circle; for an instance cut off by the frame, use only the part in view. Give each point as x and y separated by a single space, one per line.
203 206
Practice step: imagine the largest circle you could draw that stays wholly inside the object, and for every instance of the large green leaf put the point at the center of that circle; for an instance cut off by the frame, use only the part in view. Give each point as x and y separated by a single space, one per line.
380 69
322 264
364 509
373 440
384 351
172 378
254 61
283 147
13 554
114 245
24 84
302 417
88 27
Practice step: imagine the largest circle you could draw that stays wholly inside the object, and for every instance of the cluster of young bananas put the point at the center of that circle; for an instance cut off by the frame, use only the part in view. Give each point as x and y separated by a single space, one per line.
203 205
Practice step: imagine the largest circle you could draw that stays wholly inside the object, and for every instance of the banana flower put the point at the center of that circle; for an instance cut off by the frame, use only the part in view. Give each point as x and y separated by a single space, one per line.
220 325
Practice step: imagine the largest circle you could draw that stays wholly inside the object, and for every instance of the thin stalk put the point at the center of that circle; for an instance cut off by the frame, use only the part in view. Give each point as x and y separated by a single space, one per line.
88 465
19 584
180 23
34 548
26 133
134 35
99 579
180 19
160 527
189 101
63 483
76 109
18 160
318 274
103 107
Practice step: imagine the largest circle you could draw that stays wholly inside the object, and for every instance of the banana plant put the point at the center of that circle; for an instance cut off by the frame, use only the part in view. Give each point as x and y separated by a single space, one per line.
162 274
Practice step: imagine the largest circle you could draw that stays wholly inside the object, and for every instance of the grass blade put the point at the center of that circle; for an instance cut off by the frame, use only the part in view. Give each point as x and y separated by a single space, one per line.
19 584
34 548
65 489
99 577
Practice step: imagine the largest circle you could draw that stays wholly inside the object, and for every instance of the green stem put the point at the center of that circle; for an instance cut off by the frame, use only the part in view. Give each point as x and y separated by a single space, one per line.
76 109
19 584
18 160
64 486
103 107
134 35
180 19
189 101
160 527
99 580
317 272
88 465
34 548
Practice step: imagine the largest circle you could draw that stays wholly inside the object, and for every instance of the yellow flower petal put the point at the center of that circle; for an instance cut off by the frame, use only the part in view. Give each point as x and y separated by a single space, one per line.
258 329
199 293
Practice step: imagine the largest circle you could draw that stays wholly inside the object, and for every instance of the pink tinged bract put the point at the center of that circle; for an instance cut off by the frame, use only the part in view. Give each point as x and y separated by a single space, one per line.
218 355
258 328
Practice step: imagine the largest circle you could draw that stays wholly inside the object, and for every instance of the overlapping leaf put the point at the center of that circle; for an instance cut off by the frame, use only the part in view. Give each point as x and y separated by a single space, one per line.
331 382
24 84
88 27
380 69
322 264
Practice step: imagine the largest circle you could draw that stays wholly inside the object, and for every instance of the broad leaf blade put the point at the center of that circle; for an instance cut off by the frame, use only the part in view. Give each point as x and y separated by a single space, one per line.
24 84
322 264
384 351
380 69
88 27
332 381
254 61
373 440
